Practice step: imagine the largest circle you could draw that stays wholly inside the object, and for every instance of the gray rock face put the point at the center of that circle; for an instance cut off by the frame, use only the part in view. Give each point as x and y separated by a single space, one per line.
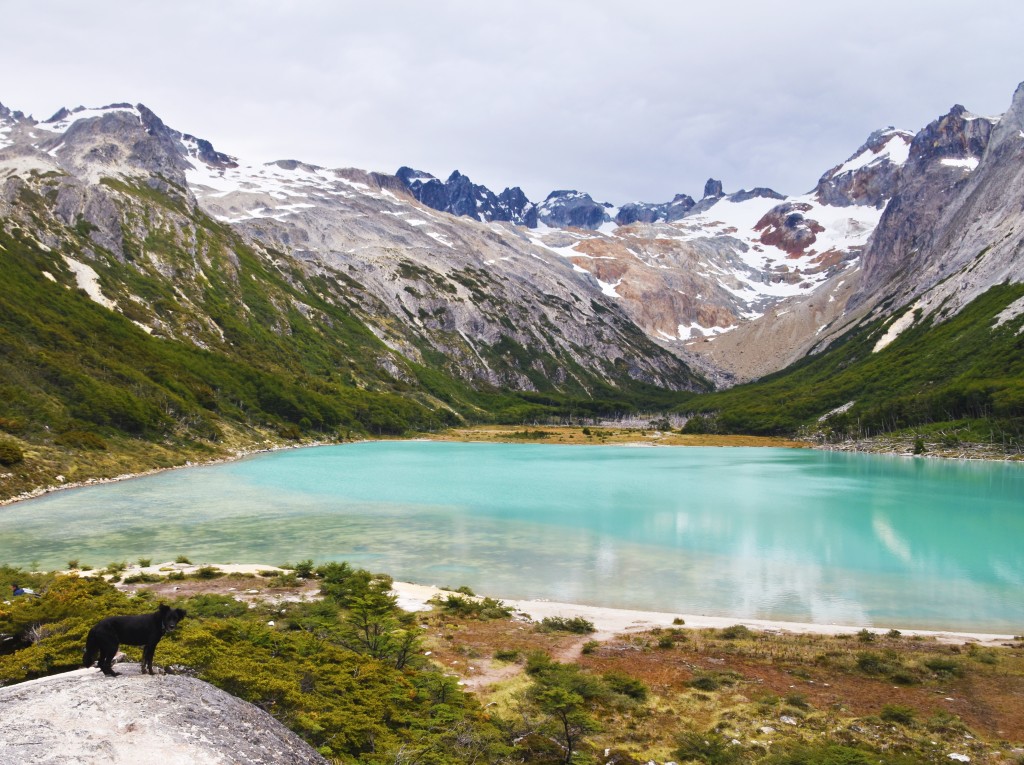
953 229
83 717
932 196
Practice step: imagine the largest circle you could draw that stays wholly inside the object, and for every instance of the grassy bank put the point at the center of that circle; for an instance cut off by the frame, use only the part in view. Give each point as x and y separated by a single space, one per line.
295 641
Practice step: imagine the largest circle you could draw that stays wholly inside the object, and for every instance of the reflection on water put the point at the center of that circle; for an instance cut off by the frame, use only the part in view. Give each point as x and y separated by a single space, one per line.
767 533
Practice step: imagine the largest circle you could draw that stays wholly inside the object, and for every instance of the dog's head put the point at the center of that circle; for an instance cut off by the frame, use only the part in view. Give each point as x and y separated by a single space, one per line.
169 617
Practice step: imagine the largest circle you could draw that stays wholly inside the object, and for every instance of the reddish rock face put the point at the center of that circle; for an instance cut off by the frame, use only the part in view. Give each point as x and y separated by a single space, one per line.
785 227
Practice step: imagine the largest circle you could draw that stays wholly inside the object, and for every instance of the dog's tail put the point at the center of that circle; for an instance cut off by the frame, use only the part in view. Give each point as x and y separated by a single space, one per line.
91 652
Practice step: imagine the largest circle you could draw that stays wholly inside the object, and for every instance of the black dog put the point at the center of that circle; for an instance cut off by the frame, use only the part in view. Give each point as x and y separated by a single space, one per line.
145 630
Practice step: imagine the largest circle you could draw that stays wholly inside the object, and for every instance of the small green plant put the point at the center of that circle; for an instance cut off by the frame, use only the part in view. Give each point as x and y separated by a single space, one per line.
285 579
183 559
142 578
897 713
145 562
73 564
866 636
304 569
893 634
798 700
678 621
705 683
590 647
507 654
666 641
208 572
919 447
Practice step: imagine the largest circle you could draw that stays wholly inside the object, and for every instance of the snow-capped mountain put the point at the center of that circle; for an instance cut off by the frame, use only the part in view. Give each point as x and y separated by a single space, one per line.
738 283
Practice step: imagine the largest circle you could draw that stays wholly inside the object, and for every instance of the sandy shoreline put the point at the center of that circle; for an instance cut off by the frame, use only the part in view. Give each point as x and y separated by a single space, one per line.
607 621
616 621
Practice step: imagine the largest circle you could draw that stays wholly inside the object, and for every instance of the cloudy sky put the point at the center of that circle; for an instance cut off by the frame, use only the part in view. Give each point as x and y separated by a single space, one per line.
628 101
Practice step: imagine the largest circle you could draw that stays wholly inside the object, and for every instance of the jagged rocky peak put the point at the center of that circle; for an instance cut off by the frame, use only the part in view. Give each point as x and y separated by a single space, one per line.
870 175
758 192
646 212
957 139
460 196
568 208
713 188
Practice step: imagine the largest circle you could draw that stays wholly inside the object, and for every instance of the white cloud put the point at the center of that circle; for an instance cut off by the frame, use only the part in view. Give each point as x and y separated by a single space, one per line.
626 102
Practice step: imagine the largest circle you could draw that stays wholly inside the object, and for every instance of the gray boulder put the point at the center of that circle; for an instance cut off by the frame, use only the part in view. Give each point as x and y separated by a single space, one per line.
83 717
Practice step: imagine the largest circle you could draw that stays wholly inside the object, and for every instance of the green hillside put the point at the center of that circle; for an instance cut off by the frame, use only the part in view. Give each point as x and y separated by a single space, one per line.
962 378
250 350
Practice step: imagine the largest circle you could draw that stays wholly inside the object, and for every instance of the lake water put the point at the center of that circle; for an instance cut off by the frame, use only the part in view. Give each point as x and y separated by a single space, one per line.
747 532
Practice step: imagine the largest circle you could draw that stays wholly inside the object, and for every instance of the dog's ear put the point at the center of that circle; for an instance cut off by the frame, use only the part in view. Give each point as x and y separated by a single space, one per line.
164 608
181 613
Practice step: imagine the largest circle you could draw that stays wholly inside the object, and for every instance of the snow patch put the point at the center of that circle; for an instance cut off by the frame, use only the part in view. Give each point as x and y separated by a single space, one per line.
89 281
897 327
970 163
62 125
838 410
609 289
896 150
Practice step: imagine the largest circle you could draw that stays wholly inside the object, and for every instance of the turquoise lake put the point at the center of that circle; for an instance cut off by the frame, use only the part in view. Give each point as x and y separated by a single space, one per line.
747 532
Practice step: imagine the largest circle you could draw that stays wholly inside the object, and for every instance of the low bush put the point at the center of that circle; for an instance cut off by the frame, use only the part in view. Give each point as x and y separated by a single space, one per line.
10 453
576 624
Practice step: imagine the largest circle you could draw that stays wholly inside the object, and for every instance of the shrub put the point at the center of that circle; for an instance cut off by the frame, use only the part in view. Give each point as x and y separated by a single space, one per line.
304 569
10 453
705 683
183 559
736 632
73 564
220 606
942 665
708 748
81 439
897 713
623 684
145 562
208 572
678 621
576 624
142 578
506 654
866 636
483 609
590 646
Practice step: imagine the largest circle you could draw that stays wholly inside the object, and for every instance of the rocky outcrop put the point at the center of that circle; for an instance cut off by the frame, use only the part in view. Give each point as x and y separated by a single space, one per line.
785 227
460 196
870 175
82 716
645 212
572 209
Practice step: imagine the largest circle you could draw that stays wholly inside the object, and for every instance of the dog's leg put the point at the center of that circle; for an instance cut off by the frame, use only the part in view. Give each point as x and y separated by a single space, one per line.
107 654
147 657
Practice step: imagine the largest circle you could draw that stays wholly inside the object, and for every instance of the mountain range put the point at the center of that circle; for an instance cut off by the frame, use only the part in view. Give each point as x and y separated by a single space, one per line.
158 287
